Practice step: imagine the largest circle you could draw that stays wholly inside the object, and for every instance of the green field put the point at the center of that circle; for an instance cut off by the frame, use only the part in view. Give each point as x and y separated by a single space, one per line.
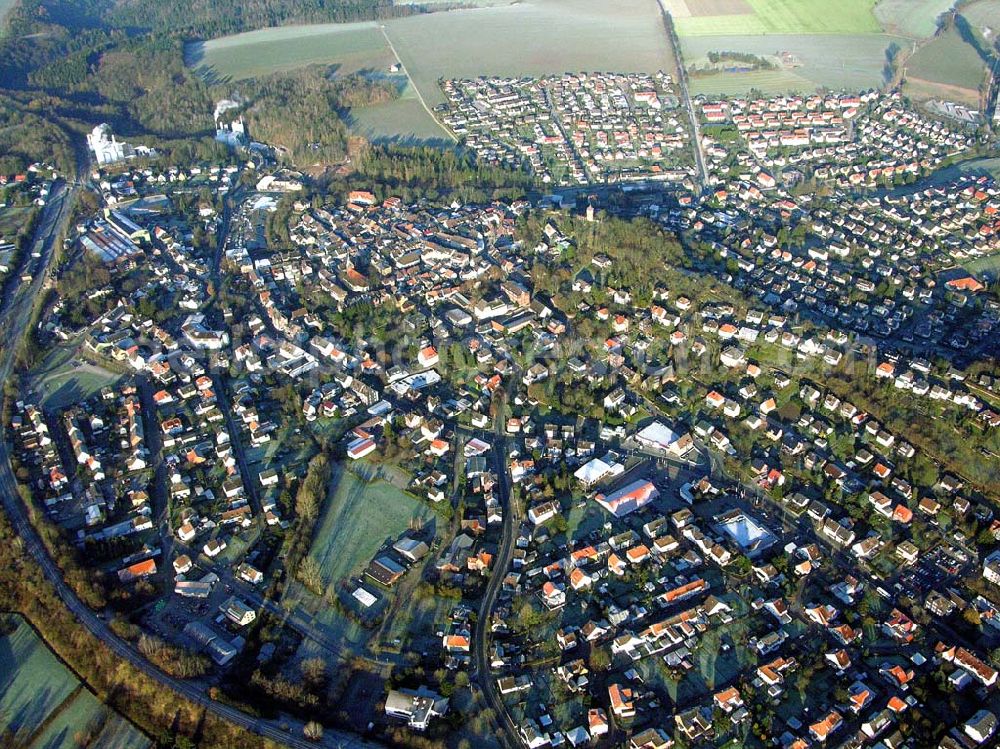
358 519
947 67
44 705
835 61
404 121
984 267
916 18
535 37
778 17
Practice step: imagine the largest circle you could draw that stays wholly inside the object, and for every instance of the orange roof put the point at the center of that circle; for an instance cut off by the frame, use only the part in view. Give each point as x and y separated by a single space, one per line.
902 513
637 552
968 283
146 567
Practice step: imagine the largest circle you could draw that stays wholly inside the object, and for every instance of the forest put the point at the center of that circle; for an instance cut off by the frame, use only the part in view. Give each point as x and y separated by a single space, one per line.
199 18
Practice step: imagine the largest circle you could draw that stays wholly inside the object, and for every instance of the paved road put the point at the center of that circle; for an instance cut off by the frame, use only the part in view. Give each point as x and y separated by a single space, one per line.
507 735
682 82
158 489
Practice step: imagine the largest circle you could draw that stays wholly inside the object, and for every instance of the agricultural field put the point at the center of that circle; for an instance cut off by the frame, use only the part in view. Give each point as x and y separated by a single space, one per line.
806 61
712 17
914 18
947 67
44 705
403 122
534 38
984 14
350 47
359 517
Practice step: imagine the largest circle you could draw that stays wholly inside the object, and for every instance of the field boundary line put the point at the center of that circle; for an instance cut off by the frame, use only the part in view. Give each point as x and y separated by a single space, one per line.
413 83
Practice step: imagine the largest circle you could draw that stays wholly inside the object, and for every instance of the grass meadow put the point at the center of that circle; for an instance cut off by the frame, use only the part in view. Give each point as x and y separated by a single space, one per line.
359 517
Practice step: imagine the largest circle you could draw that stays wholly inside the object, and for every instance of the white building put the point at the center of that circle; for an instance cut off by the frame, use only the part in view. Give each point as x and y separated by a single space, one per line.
106 149
991 568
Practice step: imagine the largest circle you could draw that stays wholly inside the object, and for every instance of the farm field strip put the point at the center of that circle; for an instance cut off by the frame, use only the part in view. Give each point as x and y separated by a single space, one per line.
916 18
36 687
835 61
778 17
351 47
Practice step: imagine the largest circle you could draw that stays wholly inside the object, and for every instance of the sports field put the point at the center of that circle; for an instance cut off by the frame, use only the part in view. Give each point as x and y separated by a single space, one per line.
358 519
709 17
61 379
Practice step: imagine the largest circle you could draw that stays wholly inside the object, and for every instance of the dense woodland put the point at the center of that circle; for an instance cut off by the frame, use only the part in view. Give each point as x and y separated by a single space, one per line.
202 18
65 66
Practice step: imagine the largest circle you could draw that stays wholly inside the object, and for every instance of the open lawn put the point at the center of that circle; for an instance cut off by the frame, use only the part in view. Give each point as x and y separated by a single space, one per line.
916 18
63 377
835 61
775 17
947 61
358 519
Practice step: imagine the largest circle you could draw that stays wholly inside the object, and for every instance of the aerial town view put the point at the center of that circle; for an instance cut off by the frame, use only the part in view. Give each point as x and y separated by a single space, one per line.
499 374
